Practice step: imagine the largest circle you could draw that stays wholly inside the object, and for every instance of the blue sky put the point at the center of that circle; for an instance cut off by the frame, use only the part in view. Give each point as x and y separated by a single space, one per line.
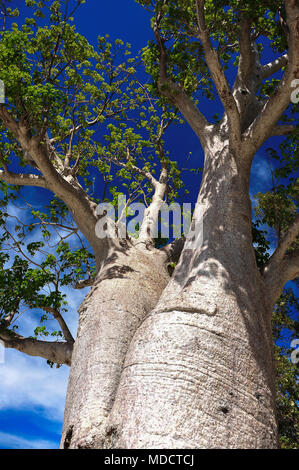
31 393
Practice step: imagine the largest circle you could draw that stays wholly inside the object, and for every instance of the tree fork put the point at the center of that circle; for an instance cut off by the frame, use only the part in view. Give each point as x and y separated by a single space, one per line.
199 372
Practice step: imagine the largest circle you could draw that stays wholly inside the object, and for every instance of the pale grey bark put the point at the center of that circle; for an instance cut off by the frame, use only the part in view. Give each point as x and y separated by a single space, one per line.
23 179
176 94
199 371
274 66
151 215
62 323
219 78
127 288
56 352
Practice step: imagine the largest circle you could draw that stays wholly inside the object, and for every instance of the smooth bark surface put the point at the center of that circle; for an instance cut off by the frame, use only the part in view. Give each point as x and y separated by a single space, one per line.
126 289
200 366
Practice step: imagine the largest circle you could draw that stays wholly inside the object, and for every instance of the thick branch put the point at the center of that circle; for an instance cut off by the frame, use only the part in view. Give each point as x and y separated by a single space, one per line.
150 221
290 269
273 67
283 266
23 179
84 283
173 250
8 120
277 274
286 241
188 108
64 328
248 75
247 57
218 76
261 128
176 94
283 130
67 188
57 352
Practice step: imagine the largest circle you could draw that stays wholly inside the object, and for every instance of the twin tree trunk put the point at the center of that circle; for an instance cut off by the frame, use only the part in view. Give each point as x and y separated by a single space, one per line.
185 362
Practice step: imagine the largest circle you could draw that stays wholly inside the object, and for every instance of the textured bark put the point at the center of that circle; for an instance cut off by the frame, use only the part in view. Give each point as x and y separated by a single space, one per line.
199 371
57 352
127 288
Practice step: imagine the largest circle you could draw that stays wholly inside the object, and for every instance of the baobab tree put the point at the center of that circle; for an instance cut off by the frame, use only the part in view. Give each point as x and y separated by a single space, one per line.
158 362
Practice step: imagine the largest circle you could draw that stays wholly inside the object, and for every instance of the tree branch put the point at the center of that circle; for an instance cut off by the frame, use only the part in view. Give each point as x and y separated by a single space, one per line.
23 179
273 67
150 221
135 169
67 188
278 274
8 120
283 266
84 283
247 55
173 250
218 76
176 94
286 241
283 130
261 128
57 352
64 328
291 266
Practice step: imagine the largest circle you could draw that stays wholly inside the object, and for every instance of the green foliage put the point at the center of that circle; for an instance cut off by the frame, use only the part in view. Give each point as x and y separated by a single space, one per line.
178 27
55 78
261 244
97 114
33 273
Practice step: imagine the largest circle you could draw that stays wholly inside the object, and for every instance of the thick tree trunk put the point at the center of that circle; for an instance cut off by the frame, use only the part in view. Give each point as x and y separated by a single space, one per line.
199 368
199 372
126 289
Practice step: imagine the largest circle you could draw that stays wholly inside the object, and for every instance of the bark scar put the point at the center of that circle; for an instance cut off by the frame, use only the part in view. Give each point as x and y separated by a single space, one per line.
68 438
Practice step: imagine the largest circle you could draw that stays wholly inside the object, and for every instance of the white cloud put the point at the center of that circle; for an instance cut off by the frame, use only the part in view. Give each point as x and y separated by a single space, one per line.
11 441
29 383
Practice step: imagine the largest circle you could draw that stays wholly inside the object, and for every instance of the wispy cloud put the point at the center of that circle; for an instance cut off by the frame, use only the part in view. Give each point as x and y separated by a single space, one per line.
29 383
11 441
